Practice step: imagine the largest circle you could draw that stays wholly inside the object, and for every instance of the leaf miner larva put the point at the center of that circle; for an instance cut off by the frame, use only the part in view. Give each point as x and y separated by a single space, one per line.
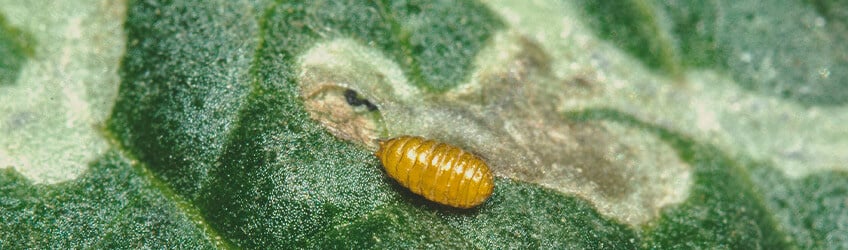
438 171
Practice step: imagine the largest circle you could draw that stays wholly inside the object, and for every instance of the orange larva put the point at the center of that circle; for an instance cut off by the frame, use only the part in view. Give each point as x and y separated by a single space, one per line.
440 172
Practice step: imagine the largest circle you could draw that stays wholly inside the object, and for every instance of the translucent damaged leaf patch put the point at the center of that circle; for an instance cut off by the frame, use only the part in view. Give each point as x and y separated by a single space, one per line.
344 112
800 140
49 117
342 84
507 114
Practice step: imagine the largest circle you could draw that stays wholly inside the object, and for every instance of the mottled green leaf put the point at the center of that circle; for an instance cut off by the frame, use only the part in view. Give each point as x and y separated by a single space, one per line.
788 50
113 205
633 124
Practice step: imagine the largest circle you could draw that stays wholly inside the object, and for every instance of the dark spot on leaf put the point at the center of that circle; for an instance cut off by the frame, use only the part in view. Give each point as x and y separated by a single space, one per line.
353 99
19 120
197 102
417 49
413 9
749 16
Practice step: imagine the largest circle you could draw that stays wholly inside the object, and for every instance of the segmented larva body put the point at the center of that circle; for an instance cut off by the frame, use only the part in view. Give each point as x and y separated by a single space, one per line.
440 172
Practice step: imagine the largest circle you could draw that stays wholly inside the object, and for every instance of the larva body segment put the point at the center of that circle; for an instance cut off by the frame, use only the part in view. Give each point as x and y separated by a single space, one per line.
440 172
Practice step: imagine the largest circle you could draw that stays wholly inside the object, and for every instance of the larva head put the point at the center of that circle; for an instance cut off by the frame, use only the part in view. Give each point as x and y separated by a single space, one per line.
382 143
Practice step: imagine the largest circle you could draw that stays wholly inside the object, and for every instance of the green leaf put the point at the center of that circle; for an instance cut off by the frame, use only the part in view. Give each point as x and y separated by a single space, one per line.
229 124
113 205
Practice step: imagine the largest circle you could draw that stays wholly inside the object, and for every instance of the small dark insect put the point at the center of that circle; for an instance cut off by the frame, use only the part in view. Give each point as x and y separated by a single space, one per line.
353 99
440 172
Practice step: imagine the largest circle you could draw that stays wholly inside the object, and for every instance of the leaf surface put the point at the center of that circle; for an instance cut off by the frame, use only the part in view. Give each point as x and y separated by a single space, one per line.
224 124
